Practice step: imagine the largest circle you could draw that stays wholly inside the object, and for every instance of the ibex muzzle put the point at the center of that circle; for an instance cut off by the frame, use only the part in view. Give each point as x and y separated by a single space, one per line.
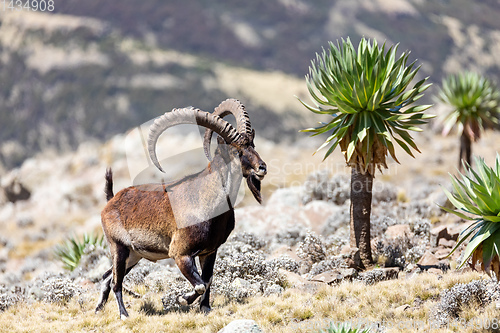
187 218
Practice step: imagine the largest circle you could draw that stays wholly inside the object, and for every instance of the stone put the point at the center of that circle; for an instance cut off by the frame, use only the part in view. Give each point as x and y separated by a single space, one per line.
349 273
353 258
241 283
379 274
398 230
428 259
446 242
442 253
273 289
241 326
455 230
402 308
442 232
434 270
296 281
390 273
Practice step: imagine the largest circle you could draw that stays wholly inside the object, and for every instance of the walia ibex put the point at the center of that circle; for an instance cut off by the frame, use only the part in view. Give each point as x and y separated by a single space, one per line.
186 218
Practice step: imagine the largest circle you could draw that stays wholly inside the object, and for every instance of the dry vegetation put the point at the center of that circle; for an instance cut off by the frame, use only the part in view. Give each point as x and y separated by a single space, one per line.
294 310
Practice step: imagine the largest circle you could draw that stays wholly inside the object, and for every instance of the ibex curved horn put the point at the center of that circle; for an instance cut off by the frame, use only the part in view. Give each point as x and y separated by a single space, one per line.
234 107
188 116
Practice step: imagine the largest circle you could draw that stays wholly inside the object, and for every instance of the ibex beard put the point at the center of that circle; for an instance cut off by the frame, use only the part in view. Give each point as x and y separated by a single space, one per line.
187 218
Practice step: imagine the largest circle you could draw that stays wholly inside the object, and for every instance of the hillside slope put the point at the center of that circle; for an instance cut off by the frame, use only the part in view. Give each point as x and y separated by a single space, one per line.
65 80
94 69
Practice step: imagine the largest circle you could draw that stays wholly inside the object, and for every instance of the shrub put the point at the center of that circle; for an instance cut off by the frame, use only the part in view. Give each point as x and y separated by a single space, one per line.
312 248
72 250
453 300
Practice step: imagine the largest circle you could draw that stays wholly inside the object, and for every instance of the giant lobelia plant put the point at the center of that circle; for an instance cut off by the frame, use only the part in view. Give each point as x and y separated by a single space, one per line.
474 100
371 103
476 196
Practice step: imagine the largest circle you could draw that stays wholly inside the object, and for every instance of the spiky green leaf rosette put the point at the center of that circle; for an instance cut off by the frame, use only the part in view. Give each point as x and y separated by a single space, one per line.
367 94
72 250
474 100
476 195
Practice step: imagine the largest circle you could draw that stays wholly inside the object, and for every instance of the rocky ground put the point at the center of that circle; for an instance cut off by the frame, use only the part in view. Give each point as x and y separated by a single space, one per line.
298 239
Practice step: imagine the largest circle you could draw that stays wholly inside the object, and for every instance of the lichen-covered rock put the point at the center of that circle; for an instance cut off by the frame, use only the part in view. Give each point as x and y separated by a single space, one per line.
273 289
241 289
241 326
162 278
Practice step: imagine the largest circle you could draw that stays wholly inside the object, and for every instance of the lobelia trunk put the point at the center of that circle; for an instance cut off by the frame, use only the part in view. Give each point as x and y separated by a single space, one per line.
361 203
465 150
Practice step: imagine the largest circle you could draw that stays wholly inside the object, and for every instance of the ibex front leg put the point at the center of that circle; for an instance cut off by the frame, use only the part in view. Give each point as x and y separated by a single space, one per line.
188 268
207 267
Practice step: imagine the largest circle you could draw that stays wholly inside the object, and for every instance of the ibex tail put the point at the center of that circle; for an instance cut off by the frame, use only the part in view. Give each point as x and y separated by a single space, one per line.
108 189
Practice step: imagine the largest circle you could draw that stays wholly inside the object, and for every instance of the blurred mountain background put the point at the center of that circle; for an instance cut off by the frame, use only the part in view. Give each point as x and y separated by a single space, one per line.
93 69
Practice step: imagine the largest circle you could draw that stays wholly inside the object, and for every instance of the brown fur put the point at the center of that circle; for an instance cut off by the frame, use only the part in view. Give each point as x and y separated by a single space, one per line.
181 220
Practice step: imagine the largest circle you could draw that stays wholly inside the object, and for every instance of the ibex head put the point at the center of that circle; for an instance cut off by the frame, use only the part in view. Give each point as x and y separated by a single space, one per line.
241 139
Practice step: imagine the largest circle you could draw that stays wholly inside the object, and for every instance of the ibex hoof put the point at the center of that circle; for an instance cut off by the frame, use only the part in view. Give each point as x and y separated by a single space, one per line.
200 289
123 317
205 309
182 301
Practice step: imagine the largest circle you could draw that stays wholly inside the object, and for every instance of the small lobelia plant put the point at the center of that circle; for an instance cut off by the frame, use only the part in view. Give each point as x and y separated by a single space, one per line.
73 248
367 92
474 100
476 196
344 328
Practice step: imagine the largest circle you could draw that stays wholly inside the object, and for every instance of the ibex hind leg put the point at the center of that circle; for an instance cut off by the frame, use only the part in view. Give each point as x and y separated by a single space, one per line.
131 261
105 289
188 268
